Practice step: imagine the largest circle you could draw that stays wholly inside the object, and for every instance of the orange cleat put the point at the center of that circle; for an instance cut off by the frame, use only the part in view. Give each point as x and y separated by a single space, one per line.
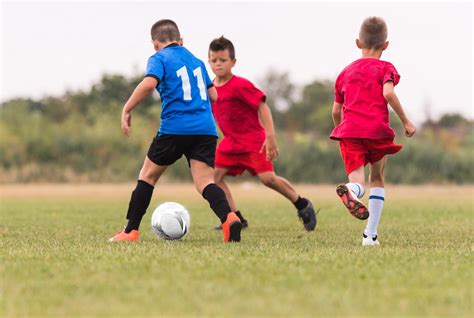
352 203
122 236
231 228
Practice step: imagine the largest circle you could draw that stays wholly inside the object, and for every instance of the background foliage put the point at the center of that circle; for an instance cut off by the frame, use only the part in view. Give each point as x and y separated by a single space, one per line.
76 137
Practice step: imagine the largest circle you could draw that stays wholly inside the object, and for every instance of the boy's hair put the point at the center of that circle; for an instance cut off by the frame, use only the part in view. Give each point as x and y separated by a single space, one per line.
165 31
373 33
222 44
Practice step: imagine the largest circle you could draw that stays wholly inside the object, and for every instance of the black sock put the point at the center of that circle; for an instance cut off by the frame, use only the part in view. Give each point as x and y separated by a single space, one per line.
139 202
241 217
217 201
300 203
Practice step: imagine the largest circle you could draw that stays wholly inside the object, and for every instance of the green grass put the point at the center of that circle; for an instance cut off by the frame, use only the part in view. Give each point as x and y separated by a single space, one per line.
56 262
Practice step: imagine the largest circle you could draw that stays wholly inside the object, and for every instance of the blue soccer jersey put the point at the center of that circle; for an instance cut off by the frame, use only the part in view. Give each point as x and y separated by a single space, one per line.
182 83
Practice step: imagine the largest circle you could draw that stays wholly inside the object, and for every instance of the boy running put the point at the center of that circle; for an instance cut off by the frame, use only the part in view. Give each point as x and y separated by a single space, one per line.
361 117
187 127
246 144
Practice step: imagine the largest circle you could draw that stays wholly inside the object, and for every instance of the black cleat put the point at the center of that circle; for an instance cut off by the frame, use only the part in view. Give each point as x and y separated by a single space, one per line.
308 217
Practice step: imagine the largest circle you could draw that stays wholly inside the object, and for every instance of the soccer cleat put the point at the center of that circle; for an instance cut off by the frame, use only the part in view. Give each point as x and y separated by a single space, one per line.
122 236
245 224
308 217
231 228
369 241
352 203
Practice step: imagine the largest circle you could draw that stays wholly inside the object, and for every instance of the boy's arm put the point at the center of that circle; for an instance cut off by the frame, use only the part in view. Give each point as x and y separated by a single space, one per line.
392 99
336 113
212 94
269 145
145 88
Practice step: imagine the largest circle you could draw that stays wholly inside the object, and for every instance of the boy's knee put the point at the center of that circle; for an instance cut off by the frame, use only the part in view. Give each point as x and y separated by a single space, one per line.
269 181
150 177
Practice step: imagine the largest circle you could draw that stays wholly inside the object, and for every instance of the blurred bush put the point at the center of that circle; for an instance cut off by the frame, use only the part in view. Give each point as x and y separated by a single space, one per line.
77 138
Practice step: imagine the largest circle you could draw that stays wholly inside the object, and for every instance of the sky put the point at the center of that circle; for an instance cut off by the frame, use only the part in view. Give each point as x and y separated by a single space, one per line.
50 47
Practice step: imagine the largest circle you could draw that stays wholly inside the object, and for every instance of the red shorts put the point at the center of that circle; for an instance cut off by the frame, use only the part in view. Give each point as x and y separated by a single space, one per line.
358 152
254 162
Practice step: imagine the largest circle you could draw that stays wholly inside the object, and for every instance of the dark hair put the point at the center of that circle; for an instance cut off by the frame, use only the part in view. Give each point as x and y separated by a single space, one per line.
222 44
373 33
165 31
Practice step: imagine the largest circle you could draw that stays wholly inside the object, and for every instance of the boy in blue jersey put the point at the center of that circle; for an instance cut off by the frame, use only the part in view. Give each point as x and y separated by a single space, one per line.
187 128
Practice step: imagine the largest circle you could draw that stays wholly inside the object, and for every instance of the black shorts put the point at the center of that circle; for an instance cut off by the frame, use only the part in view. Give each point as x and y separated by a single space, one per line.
166 149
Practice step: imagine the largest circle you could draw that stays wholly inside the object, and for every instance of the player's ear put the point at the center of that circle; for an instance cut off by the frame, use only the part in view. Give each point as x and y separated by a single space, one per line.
181 41
156 45
233 62
359 45
385 45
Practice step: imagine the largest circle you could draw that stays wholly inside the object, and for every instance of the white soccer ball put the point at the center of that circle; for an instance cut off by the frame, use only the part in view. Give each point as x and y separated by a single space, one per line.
170 221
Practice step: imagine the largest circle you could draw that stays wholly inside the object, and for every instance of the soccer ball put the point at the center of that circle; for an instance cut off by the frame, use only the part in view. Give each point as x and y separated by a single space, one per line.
170 221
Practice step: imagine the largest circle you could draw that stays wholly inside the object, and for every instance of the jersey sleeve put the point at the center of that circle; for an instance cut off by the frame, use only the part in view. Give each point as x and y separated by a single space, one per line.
338 94
391 75
207 79
155 68
249 94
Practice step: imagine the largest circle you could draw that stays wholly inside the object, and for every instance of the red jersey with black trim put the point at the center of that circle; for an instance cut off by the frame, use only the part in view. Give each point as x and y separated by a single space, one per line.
236 113
359 88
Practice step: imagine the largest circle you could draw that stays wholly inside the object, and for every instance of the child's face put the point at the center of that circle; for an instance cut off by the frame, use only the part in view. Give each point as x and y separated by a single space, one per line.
221 63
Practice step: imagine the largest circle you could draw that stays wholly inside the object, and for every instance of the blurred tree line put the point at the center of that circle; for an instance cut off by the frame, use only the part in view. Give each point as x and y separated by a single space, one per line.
77 137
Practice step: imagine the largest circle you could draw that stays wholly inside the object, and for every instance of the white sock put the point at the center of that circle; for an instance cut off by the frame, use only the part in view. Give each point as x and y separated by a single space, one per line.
376 200
356 188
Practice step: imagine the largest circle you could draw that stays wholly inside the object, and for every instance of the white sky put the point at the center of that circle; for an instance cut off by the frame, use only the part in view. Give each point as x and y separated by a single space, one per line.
48 47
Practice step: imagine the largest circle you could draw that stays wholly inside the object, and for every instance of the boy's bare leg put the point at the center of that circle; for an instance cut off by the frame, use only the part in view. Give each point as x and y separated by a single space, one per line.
284 187
357 176
376 201
219 175
203 176
376 175
151 172
279 184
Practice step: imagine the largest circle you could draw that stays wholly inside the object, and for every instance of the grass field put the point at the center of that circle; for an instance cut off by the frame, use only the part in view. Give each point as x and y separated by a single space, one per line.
56 261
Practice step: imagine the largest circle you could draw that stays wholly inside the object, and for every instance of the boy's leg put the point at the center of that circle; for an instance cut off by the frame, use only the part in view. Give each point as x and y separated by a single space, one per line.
219 175
140 199
203 177
376 201
279 184
354 154
350 193
284 187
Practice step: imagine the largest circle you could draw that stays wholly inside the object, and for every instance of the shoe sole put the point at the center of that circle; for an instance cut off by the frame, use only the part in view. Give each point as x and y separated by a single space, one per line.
235 228
356 209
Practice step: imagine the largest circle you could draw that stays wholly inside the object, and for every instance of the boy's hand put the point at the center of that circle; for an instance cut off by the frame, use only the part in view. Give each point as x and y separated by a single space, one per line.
270 148
126 122
410 129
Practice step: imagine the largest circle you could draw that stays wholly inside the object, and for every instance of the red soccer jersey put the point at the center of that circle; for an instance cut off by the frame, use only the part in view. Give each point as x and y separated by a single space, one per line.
359 88
236 113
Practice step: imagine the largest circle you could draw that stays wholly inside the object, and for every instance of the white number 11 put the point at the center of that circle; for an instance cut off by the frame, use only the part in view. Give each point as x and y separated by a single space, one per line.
186 84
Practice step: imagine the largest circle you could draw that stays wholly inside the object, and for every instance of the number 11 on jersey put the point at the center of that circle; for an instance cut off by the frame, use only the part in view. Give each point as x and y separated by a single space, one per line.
186 84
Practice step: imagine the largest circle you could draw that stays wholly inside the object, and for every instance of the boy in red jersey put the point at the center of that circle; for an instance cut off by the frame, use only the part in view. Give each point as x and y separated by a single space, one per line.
361 120
246 144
